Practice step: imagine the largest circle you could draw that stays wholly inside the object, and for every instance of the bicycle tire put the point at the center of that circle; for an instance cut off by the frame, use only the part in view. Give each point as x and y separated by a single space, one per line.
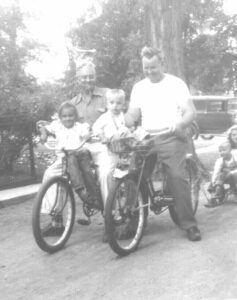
41 241
111 226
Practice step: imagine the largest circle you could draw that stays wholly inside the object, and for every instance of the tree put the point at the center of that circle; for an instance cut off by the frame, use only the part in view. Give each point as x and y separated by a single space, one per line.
210 36
22 100
194 35
165 31
116 35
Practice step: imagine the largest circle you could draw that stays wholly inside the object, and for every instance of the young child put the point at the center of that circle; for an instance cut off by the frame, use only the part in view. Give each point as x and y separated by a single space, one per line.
232 136
112 124
225 171
69 136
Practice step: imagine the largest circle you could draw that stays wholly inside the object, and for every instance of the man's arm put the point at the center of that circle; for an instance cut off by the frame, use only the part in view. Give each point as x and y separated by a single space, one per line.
188 115
133 116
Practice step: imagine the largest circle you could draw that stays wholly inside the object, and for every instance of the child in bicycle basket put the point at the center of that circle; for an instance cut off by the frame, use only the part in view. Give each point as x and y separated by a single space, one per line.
70 134
112 125
225 171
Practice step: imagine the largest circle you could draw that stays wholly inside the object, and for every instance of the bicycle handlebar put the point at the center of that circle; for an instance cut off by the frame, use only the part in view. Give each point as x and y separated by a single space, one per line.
160 133
66 151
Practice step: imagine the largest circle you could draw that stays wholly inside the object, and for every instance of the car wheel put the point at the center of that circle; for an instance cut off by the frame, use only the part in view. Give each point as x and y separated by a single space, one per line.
207 136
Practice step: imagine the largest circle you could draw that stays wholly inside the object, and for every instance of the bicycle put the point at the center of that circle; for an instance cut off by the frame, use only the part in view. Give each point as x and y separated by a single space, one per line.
55 202
133 194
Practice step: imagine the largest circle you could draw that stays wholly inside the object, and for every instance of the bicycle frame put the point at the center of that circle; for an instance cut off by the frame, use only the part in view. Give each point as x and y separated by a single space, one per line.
87 208
159 201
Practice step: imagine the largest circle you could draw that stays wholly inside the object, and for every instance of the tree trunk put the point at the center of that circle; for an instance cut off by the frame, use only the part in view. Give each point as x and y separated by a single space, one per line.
165 19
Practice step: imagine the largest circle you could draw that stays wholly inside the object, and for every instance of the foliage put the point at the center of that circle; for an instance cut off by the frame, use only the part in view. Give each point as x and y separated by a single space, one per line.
117 35
209 35
121 31
20 95
22 100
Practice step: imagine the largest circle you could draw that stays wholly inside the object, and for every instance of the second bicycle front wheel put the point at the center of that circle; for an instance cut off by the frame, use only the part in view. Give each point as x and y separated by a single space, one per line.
125 215
53 214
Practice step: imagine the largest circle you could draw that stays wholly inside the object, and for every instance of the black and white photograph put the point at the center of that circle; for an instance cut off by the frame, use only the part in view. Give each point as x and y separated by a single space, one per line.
118 150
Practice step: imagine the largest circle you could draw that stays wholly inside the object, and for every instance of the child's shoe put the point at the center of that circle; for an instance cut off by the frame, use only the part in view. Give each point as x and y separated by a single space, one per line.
232 197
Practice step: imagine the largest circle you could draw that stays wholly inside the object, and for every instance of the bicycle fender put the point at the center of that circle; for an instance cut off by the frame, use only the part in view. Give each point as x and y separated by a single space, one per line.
119 174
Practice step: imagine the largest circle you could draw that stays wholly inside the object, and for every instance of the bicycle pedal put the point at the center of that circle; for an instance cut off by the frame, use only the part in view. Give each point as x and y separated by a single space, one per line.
167 201
83 222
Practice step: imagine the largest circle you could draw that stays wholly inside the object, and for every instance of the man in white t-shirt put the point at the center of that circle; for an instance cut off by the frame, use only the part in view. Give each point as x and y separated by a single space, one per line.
163 101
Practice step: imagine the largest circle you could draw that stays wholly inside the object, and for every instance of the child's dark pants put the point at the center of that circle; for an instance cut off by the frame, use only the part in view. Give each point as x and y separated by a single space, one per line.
79 167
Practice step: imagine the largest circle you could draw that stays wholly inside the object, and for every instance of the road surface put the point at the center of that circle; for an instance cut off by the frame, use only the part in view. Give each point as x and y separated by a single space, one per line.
165 266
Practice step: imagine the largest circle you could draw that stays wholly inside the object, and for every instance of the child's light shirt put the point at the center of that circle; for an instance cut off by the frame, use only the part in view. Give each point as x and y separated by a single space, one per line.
108 125
68 138
224 165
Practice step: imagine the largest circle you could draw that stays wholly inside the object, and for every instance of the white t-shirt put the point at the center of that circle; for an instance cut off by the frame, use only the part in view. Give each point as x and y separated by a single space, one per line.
108 124
68 138
161 103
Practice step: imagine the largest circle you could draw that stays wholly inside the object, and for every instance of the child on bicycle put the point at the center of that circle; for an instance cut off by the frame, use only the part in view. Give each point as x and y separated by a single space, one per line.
69 135
225 171
112 124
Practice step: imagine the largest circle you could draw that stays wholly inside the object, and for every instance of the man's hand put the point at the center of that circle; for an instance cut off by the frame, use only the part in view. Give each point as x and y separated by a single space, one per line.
42 123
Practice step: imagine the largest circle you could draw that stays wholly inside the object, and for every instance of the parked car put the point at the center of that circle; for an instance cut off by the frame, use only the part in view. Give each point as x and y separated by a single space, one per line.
215 114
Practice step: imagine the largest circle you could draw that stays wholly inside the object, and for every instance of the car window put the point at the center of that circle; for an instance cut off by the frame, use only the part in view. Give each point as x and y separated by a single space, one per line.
200 105
232 104
215 106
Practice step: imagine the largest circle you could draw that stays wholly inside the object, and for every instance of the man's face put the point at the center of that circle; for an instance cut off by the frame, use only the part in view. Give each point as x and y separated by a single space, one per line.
152 68
87 78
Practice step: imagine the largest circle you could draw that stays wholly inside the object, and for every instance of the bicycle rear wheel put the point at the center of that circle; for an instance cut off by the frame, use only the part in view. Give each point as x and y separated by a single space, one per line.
126 213
53 214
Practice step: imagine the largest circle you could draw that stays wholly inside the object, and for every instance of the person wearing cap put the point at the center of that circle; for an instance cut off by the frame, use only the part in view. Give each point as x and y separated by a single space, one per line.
162 101
91 104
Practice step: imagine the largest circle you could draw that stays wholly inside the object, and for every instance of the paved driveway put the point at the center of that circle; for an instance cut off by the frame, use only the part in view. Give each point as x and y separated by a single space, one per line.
165 266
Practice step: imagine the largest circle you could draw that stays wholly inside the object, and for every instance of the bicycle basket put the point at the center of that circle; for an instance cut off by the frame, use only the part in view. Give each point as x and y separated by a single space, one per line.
121 145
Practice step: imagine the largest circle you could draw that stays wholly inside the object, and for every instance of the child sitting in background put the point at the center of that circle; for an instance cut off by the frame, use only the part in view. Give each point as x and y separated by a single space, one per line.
232 136
225 171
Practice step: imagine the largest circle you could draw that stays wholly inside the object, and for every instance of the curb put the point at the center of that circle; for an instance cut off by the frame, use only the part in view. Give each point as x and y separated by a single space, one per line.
16 200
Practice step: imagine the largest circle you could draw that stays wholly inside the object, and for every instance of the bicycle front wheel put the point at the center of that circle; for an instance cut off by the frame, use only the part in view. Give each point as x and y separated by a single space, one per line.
53 214
126 213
